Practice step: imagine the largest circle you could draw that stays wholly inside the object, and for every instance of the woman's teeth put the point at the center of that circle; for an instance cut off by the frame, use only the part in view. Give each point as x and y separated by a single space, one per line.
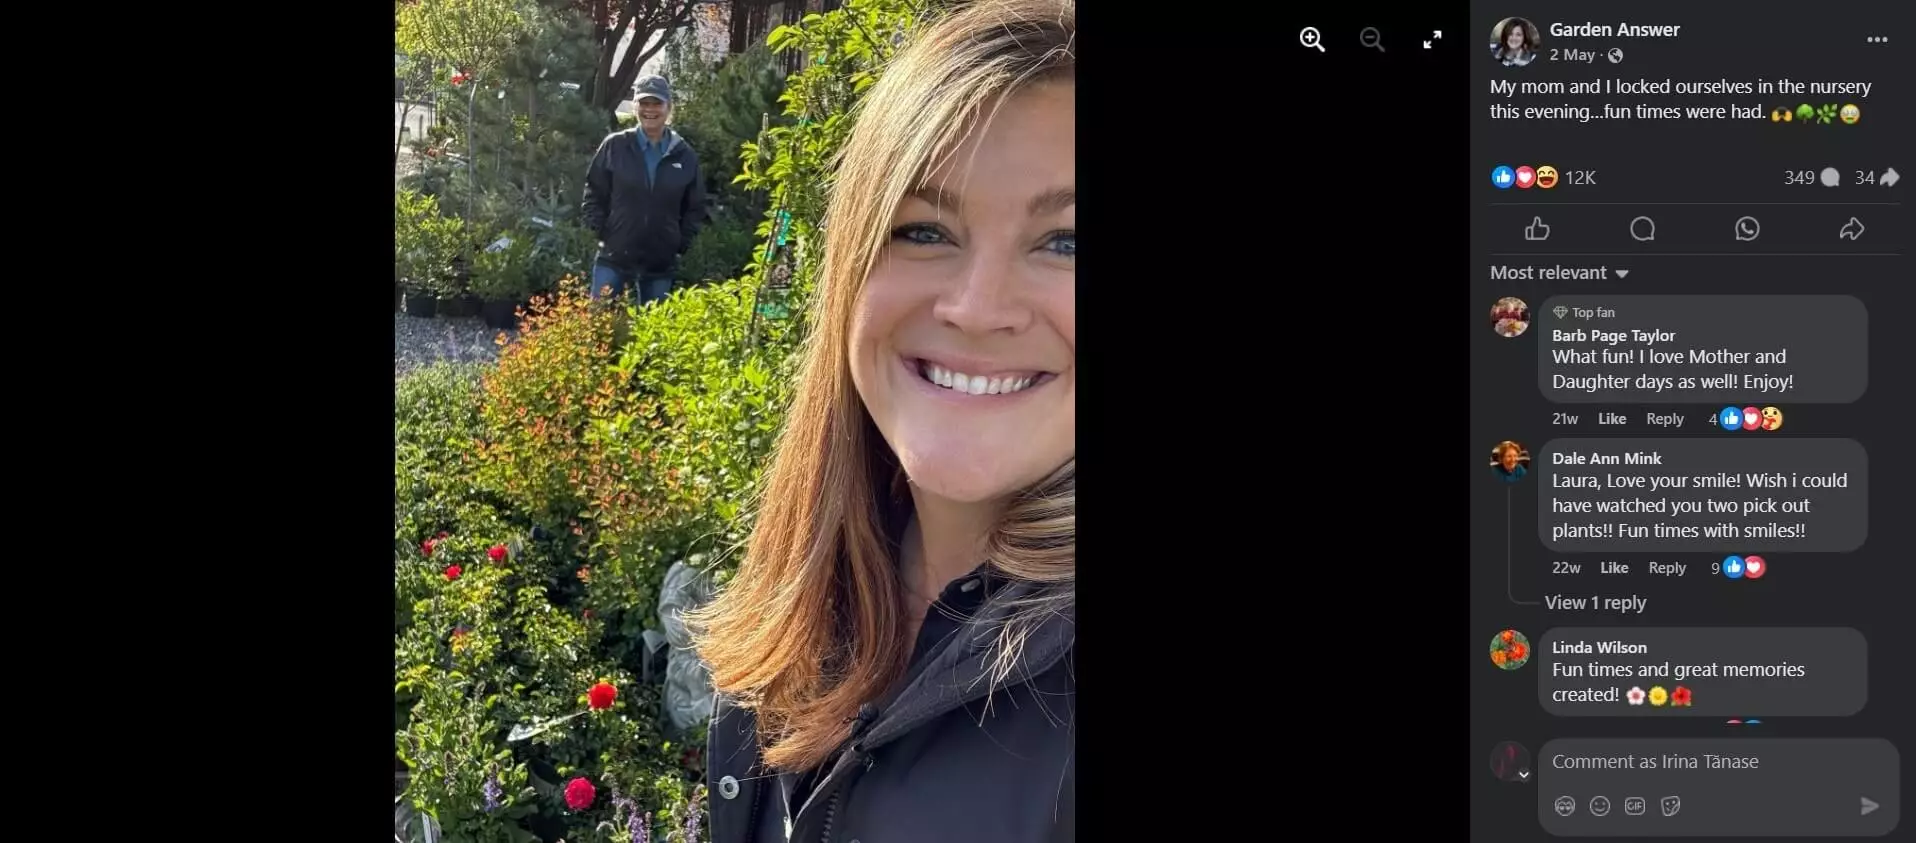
973 384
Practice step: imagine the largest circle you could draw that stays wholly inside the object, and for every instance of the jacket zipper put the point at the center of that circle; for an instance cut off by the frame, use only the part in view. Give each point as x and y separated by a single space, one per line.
758 801
831 811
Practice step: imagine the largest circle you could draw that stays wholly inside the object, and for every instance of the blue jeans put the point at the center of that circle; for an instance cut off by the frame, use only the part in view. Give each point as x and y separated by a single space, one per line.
626 282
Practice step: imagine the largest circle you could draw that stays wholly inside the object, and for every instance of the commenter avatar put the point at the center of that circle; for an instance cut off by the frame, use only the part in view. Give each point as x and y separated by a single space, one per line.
1510 650
1514 42
1509 461
1510 317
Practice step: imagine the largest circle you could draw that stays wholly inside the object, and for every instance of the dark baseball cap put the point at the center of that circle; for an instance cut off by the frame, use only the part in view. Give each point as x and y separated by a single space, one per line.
652 86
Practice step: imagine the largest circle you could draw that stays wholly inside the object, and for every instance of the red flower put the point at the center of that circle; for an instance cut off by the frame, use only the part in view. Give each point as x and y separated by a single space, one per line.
427 547
1517 651
452 573
1509 636
579 794
602 695
459 78
586 615
498 553
443 534
1681 697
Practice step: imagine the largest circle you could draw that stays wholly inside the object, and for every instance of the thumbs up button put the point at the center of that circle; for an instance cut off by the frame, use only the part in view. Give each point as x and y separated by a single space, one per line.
1536 230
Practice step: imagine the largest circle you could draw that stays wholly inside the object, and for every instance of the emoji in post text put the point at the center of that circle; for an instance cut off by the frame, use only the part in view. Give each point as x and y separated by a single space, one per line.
1850 114
1658 696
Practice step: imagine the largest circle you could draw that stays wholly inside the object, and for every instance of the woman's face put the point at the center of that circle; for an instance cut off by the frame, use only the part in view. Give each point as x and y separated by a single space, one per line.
1509 459
964 340
1513 38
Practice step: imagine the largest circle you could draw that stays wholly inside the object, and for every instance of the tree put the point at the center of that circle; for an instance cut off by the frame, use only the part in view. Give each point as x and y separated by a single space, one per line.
469 37
613 78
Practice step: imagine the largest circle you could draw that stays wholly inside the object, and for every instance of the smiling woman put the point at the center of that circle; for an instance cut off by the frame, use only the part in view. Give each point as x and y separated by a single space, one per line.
893 659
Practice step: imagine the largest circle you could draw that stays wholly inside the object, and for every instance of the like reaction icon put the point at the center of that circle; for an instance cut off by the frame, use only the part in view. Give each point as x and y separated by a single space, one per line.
1536 230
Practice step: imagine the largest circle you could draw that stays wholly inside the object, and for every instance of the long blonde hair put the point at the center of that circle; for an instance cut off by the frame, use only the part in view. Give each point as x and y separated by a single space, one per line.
815 623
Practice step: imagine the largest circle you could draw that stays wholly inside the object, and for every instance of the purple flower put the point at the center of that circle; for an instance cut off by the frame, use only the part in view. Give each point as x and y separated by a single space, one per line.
692 820
634 818
492 791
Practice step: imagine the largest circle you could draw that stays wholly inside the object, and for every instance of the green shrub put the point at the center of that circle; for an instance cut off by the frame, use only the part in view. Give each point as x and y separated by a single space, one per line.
436 421
721 250
540 401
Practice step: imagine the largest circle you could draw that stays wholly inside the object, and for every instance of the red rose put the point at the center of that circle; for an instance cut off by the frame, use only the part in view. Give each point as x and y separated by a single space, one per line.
579 794
498 553
452 573
1517 651
602 695
427 547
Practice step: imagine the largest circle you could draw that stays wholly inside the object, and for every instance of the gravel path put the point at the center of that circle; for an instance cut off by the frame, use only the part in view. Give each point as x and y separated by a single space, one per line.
417 342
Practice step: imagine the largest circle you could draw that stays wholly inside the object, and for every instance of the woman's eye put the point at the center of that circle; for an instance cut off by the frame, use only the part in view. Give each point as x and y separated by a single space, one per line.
1063 244
920 234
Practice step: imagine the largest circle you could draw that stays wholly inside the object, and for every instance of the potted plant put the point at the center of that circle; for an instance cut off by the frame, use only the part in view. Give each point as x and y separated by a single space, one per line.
500 278
456 300
424 244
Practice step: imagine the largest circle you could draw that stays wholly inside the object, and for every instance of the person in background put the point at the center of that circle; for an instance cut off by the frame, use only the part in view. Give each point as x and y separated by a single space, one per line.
645 200
894 659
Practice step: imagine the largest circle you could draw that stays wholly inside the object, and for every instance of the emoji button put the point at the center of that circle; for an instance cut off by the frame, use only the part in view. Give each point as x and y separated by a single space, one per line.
1546 177
1751 418
1772 418
1850 114
1526 177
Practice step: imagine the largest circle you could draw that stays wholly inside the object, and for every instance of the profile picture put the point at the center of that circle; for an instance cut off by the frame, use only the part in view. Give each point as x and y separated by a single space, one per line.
1514 42
1509 650
1510 317
1509 461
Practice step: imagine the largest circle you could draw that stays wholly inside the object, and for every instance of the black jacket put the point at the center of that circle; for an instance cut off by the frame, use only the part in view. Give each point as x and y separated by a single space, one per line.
946 760
644 224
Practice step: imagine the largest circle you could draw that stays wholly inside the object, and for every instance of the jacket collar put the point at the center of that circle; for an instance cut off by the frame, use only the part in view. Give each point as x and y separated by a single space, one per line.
961 672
